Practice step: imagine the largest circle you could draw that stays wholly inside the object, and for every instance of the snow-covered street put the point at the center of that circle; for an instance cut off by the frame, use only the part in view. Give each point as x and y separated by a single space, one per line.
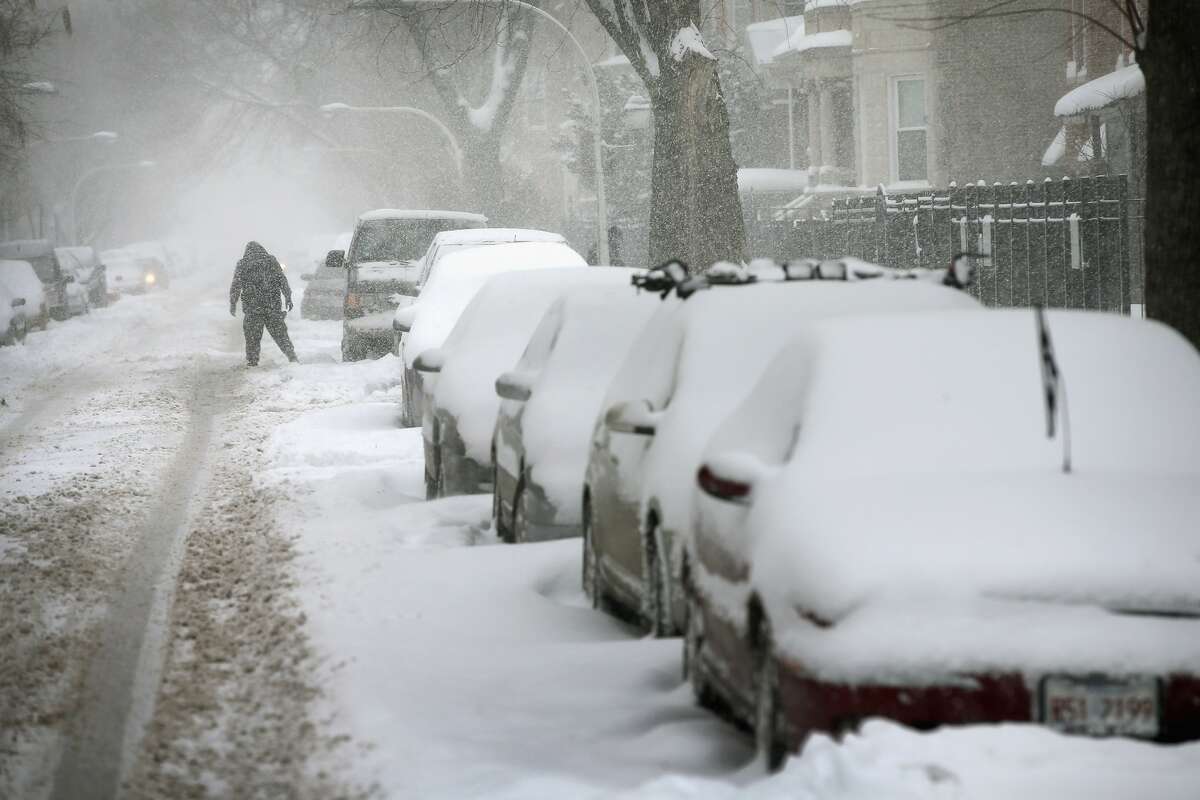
237 569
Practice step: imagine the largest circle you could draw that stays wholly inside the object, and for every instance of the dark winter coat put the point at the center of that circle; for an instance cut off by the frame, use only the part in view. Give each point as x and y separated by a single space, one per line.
259 282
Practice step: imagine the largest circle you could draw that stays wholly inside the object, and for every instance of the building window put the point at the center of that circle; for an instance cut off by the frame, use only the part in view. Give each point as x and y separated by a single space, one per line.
911 146
1077 67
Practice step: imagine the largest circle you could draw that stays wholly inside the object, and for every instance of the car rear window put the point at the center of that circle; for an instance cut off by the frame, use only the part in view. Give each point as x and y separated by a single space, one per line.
45 267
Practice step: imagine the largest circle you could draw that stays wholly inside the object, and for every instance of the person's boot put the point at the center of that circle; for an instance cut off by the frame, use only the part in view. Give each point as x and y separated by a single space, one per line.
292 358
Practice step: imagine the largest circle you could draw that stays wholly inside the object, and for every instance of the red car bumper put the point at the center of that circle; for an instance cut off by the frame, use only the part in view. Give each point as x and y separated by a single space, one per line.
812 705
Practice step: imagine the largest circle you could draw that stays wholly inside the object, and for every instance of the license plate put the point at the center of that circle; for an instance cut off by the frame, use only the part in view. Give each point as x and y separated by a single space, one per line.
1101 706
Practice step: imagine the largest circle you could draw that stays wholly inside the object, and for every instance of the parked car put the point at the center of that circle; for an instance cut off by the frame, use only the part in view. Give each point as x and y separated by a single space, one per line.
428 321
381 265
14 324
21 281
884 529
89 272
487 340
39 253
455 241
687 370
325 286
78 302
549 402
159 258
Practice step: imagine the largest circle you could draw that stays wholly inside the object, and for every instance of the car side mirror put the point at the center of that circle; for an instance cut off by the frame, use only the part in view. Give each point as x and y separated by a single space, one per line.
732 476
431 360
18 302
403 321
515 386
306 276
336 259
633 417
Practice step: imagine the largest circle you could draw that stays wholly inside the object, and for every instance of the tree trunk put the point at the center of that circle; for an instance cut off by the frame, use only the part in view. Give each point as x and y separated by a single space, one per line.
695 215
1171 63
483 176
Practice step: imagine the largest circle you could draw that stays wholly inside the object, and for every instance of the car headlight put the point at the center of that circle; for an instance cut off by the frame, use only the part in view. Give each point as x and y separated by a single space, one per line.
150 279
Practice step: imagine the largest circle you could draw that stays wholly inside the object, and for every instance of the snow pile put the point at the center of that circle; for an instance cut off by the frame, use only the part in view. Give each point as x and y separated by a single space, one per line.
801 42
490 337
954 508
885 761
767 36
766 179
1094 95
688 40
593 329
461 275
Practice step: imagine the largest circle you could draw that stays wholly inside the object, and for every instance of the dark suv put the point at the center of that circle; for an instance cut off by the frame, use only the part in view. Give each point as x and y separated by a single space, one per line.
384 261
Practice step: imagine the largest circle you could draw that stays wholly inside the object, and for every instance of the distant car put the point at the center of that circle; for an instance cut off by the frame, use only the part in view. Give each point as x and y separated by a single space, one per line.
14 325
427 322
127 274
21 281
454 241
486 341
884 529
325 284
381 266
39 253
690 366
88 270
78 302
549 402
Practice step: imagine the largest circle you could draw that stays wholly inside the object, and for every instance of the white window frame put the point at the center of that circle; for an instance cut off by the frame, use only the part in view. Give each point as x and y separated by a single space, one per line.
1079 40
894 129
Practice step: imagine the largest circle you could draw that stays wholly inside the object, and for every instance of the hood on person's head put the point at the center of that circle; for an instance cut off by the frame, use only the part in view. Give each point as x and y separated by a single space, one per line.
254 250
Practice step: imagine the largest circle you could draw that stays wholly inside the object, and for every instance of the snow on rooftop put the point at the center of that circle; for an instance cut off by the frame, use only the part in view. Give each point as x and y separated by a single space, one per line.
767 179
801 42
1094 95
688 40
405 213
767 36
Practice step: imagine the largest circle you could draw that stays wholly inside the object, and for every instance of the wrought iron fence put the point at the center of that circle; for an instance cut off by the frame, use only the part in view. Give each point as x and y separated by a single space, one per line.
1074 243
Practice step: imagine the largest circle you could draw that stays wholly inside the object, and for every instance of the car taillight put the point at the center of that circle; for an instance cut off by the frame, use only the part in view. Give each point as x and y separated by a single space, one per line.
722 488
353 301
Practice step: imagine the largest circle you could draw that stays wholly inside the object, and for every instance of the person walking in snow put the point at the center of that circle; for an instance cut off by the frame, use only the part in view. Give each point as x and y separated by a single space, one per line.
260 284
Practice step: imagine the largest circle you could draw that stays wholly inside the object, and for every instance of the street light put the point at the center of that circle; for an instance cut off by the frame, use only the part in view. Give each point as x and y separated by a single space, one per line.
329 109
90 174
597 145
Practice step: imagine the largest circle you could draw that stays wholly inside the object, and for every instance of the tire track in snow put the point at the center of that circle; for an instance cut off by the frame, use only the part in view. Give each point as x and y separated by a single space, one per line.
122 677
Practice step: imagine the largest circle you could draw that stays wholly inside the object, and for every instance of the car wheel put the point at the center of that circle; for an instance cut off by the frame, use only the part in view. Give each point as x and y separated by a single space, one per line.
658 603
767 728
352 349
408 416
591 577
435 482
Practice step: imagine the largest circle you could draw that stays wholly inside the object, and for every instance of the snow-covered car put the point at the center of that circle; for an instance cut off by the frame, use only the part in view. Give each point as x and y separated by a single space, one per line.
325 285
448 242
39 253
14 324
884 528
88 270
382 266
427 322
549 402
21 281
487 340
691 365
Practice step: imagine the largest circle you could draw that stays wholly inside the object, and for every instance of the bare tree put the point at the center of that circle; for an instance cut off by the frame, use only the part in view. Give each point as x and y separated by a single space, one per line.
1166 42
696 214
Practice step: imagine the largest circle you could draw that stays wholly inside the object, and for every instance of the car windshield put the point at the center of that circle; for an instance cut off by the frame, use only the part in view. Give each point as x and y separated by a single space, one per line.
397 239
